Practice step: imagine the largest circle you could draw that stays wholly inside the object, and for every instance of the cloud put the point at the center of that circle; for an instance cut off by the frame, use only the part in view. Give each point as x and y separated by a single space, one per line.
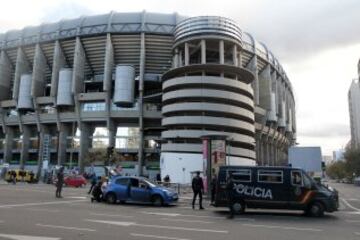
329 130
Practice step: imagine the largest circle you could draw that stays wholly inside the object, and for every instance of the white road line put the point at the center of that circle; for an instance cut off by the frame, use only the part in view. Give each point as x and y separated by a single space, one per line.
192 215
26 237
67 228
128 224
353 221
111 215
162 214
42 210
78 197
283 227
40 203
184 220
156 237
357 233
349 205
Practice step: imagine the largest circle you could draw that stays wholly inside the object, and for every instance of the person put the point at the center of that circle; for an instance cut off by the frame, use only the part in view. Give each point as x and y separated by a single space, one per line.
93 180
60 182
230 194
31 176
198 188
167 180
213 187
13 176
97 192
158 178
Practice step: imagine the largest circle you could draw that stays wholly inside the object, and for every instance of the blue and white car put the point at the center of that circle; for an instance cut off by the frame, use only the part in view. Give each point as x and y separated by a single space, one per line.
138 190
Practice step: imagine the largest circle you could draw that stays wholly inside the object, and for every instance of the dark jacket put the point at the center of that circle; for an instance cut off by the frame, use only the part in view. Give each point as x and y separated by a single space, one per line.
197 184
60 178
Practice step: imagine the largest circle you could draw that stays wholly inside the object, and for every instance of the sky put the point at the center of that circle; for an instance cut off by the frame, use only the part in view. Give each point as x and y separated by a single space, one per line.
317 43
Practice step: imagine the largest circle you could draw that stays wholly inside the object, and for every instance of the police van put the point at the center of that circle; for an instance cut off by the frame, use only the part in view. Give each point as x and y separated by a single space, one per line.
274 188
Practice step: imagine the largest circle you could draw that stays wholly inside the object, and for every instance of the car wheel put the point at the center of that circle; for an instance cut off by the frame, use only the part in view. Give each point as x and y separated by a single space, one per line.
238 207
316 209
157 201
111 198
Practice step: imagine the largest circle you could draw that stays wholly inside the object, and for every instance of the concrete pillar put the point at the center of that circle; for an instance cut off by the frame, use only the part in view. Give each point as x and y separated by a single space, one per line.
108 64
58 63
78 68
235 56
186 52
5 76
86 131
24 154
203 51
252 66
180 59
9 141
221 52
44 136
265 88
112 134
39 73
22 66
64 132
176 58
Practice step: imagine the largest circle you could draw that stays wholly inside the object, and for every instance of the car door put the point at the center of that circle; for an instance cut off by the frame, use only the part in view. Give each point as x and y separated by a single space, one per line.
140 191
121 188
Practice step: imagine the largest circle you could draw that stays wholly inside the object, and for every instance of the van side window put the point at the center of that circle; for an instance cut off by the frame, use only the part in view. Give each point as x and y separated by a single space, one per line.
270 176
241 175
296 178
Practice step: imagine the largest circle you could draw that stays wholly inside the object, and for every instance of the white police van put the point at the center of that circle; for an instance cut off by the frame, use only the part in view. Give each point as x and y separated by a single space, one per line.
274 188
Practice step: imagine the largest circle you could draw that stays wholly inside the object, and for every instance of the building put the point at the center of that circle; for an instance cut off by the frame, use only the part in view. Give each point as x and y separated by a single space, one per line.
338 155
148 85
307 158
354 110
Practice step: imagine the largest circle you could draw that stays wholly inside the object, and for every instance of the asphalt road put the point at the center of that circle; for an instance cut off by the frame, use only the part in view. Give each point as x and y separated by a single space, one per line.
31 212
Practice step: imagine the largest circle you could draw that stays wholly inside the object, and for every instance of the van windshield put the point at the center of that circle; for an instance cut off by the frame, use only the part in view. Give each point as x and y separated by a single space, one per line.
308 182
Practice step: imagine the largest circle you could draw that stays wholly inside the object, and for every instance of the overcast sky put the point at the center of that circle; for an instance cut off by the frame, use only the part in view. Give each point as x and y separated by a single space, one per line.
317 42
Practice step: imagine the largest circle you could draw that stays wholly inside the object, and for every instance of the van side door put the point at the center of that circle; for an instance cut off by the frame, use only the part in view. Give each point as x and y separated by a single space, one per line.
299 193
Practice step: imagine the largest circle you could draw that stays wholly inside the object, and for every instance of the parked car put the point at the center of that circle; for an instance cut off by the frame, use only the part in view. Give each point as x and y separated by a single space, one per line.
137 190
75 181
275 188
357 181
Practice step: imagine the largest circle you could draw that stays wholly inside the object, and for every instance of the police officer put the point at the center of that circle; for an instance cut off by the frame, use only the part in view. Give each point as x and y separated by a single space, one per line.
198 188
230 194
60 182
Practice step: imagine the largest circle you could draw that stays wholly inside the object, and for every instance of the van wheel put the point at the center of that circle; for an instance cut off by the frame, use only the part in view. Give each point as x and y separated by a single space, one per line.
238 207
316 209
157 201
111 198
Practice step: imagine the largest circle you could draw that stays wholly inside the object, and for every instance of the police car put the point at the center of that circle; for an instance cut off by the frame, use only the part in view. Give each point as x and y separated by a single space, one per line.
274 188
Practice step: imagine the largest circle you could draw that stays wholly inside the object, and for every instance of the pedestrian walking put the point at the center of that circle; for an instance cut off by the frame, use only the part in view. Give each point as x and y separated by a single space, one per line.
230 194
93 180
97 193
198 188
13 176
60 182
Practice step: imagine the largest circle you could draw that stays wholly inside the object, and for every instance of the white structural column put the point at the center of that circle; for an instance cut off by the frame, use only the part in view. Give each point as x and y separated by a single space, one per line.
24 154
64 132
265 88
8 147
221 52
5 76
58 63
175 63
235 56
203 51
22 66
86 131
252 66
186 53
108 69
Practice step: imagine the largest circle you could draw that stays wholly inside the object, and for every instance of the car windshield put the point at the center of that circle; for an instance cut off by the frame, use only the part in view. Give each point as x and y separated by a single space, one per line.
150 183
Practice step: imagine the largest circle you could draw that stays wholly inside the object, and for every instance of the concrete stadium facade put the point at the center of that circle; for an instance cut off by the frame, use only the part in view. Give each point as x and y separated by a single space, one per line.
149 85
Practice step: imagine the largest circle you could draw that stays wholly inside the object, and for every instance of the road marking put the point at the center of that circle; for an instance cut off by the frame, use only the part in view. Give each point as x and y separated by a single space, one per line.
349 205
78 197
39 203
353 199
283 227
128 224
357 233
25 237
353 221
184 220
42 210
67 228
191 215
163 214
111 215
155 236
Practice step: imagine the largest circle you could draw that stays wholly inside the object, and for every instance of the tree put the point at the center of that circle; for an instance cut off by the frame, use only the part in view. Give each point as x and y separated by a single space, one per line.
100 155
352 160
336 170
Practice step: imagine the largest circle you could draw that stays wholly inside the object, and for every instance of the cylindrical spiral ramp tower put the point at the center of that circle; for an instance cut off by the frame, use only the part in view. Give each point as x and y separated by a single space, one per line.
207 92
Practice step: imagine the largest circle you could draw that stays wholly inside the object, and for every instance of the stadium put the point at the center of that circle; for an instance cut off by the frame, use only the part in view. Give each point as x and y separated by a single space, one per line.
145 85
